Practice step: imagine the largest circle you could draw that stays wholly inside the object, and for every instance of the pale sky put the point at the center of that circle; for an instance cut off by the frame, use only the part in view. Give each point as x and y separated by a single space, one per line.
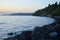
24 5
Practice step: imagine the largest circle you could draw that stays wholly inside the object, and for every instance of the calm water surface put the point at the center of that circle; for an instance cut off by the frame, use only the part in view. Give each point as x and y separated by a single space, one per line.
15 24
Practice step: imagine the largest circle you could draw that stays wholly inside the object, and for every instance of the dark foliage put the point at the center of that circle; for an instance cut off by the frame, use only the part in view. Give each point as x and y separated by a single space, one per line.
51 10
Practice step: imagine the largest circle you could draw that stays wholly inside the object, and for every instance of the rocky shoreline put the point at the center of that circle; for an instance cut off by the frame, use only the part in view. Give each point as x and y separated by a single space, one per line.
47 32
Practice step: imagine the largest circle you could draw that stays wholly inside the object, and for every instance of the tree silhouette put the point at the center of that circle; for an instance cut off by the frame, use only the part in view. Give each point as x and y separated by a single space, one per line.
51 10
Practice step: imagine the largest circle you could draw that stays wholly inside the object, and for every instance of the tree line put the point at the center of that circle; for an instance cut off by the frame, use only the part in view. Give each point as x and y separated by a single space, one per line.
51 10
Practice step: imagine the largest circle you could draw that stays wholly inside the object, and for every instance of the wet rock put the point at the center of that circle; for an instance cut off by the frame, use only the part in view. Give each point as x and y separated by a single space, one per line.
10 33
11 38
39 33
53 34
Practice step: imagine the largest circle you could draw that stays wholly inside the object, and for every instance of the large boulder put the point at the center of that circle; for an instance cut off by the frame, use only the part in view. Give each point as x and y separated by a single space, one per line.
57 29
53 34
40 33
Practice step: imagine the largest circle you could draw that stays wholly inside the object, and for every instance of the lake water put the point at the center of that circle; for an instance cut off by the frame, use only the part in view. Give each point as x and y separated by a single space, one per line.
16 24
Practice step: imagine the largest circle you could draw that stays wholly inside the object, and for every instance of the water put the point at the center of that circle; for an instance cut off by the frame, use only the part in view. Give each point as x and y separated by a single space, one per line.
14 24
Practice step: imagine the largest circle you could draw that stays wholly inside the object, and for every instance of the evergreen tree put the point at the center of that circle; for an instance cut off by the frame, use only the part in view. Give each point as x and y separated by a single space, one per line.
59 3
51 10
49 5
56 3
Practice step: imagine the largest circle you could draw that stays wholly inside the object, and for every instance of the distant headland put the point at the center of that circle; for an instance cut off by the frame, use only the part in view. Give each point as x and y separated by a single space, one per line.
20 14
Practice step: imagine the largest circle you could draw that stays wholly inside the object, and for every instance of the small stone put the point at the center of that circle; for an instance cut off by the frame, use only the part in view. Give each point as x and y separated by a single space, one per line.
53 34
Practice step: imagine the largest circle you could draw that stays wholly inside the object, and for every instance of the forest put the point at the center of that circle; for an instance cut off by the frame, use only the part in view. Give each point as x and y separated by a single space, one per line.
51 10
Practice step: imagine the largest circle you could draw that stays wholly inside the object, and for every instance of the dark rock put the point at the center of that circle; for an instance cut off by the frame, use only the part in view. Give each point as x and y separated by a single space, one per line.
57 18
25 35
57 29
50 27
40 33
53 34
11 38
10 33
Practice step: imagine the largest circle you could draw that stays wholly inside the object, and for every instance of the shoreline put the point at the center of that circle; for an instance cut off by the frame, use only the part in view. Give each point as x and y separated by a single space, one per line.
39 33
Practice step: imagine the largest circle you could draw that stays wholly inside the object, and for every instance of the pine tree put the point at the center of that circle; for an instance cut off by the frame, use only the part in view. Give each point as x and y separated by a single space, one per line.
59 3
48 5
56 3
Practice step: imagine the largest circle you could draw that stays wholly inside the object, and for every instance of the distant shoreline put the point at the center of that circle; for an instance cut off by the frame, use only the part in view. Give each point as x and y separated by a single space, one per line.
19 14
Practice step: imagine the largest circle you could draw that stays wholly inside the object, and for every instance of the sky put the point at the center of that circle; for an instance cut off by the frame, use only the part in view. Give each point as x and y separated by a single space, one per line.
24 5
